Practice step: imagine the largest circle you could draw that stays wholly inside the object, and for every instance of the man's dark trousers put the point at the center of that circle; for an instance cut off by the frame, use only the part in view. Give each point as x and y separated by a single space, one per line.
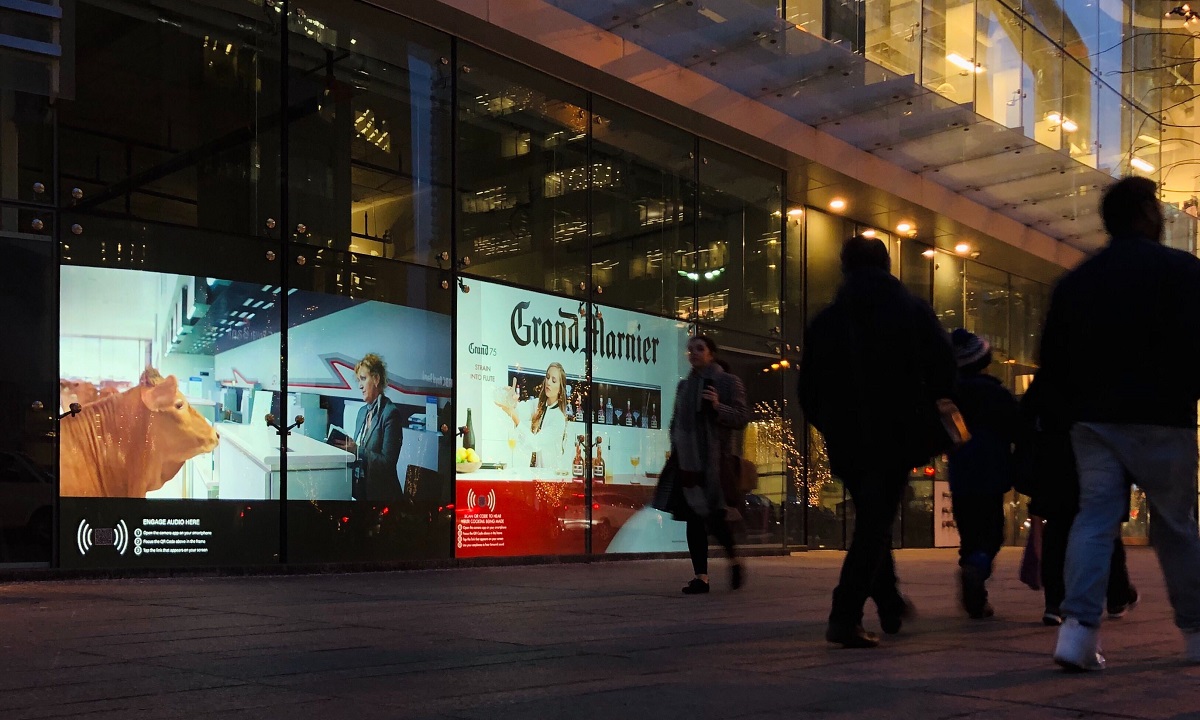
868 570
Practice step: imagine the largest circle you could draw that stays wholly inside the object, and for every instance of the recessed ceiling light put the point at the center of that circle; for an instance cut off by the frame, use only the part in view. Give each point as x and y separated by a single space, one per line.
905 227
962 248
837 204
928 253
868 233
795 212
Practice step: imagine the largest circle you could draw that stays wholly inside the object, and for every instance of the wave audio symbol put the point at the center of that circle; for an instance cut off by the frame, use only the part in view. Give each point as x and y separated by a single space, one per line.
482 501
87 537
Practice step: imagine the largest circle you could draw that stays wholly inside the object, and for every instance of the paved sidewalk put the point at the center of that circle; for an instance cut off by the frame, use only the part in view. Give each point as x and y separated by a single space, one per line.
607 640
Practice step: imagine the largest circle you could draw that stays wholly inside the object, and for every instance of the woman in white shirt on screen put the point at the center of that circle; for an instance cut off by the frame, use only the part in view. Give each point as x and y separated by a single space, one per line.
540 423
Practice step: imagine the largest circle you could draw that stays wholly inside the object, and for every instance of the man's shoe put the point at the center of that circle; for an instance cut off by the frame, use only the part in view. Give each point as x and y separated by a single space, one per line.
1118 610
1078 648
1052 618
849 636
737 576
892 619
1192 640
695 587
981 613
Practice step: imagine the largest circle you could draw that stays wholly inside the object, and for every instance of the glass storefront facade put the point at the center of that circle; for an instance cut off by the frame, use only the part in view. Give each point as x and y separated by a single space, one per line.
471 280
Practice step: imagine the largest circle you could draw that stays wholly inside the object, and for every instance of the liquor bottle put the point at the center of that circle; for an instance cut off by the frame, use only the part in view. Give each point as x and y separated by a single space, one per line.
570 408
577 465
643 421
598 463
653 416
600 411
608 412
579 406
628 414
468 433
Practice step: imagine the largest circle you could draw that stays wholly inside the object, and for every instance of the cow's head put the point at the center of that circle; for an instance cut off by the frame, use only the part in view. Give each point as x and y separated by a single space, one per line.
176 429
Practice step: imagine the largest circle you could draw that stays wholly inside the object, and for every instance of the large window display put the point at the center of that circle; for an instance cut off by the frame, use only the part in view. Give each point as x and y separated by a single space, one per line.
164 455
539 442
373 402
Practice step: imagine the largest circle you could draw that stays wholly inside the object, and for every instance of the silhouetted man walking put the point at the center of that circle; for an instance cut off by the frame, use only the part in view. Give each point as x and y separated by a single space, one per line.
1120 359
875 364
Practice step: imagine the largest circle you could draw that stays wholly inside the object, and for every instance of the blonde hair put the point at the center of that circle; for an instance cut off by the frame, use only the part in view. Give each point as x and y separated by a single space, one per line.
374 365
540 412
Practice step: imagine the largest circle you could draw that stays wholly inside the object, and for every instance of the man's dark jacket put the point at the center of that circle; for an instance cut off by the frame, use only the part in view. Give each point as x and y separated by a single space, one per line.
874 364
1122 338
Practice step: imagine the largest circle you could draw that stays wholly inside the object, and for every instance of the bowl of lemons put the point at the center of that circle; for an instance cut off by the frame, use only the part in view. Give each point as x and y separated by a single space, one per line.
466 460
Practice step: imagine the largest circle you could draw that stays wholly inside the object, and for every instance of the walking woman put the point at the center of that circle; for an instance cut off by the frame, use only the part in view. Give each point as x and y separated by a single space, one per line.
710 405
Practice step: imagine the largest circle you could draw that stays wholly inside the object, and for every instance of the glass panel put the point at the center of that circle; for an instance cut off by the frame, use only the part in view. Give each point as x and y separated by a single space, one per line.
1079 101
893 29
1042 84
28 402
769 441
1046 16
637 364
736 265
823 265
1081 30
523 175
948 289
998 51
916 268
1112 117
916 511
370 159
521 395
949 65
826 499
987 312
794 283
643 226
26 147
201 149
373 404
170 340
1029 303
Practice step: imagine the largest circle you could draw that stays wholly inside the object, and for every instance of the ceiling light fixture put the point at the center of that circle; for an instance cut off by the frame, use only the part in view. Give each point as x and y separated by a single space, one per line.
837 204
1142 165
964 64
795 212
962 248
929 253
905 227
868 233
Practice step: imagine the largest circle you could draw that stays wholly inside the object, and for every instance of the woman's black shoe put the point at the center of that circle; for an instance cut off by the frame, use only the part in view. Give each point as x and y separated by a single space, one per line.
851 636
892 619
695 587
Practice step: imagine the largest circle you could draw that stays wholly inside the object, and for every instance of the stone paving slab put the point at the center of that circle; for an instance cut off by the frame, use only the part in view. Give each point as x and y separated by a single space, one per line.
578 641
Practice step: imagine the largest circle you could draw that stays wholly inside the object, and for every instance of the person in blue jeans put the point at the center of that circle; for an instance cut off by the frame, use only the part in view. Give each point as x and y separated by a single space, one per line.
980 470
1118 358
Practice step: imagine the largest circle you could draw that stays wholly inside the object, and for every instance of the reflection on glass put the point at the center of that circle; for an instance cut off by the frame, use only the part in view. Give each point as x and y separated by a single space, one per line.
949 65
736 264
370 169
523 174
998 51
643 226
199 150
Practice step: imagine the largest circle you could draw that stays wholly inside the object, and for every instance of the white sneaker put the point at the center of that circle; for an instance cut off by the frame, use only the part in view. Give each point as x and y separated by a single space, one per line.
1078 647
1192 639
